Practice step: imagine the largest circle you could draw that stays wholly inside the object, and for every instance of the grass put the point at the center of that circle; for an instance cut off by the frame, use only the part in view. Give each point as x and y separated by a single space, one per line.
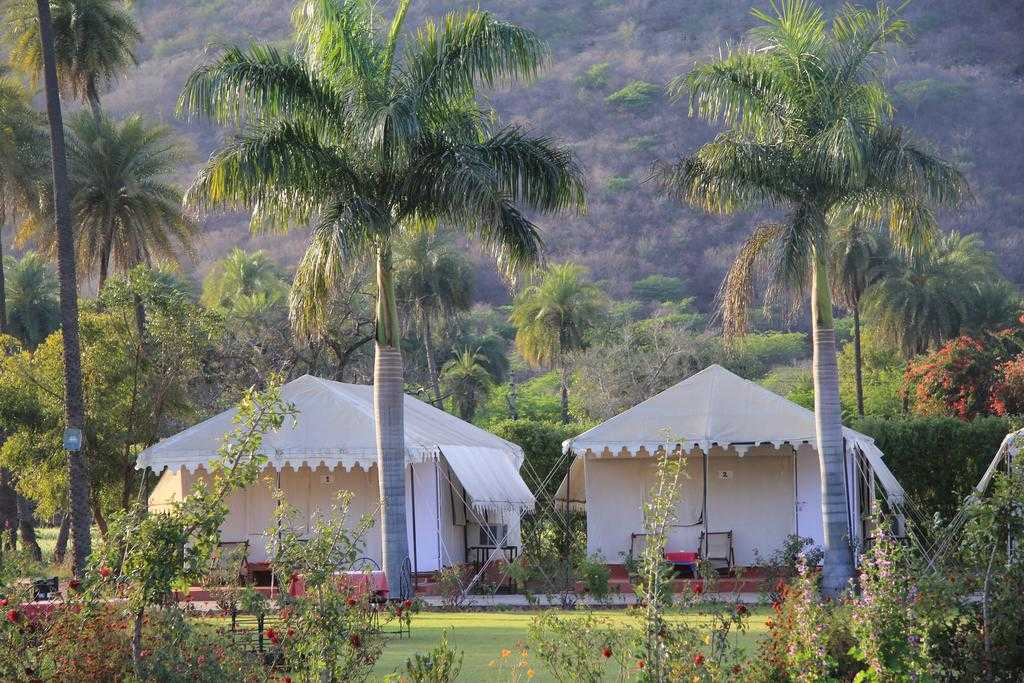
482 635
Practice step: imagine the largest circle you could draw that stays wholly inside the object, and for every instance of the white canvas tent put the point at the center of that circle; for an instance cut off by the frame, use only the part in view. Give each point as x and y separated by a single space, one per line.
462 485
751 468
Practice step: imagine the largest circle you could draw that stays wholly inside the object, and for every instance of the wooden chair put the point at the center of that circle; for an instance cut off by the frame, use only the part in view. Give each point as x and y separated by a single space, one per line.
716 547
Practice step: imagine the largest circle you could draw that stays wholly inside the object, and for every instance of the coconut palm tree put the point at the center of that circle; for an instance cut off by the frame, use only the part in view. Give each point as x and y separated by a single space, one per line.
433 281
858 258
468 381
365 142
553 318
242 274
94 43
74 404
809 133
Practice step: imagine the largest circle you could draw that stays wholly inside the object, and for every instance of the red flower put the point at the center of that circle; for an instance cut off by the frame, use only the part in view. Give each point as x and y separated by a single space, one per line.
398 612
640 664
74 584
406 604
741 609
12 616
291 632
777 606
736 669
274 637
351 601
355 641
104 571
607 652
697 588
698 659
3 602
286 679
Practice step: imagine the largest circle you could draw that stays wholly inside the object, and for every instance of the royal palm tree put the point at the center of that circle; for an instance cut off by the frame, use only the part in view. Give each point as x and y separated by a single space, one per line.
553 318
433 281
366 142
243 275
858 258
74 404
809 132
94 43
468 381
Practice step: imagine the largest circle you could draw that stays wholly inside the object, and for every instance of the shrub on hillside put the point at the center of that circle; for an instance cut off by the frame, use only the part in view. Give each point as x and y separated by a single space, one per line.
636 95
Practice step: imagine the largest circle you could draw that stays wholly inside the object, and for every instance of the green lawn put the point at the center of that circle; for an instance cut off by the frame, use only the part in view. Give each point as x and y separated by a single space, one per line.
482 636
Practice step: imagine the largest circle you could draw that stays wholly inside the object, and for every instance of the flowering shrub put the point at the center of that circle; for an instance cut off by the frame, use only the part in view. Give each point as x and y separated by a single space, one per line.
440 665
328 632
511 668
581 648
1008 393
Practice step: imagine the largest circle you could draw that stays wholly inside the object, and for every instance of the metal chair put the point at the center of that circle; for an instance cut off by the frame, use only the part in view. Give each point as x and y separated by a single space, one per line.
716 547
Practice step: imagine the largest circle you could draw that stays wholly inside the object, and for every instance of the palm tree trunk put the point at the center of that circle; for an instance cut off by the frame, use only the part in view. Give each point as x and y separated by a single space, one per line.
74 405
8 512
27 528
858 362
60 548
563 371
3 285
828 426
388 414
428 349
93 96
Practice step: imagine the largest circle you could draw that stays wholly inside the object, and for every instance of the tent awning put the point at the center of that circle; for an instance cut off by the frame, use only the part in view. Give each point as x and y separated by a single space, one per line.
717 408
334 427
492 482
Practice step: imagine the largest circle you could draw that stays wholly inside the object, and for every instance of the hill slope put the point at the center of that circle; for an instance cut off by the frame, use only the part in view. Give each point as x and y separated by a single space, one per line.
958 83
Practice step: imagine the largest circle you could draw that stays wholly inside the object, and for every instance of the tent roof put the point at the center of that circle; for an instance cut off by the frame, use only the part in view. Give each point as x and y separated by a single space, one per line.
335 426
717 407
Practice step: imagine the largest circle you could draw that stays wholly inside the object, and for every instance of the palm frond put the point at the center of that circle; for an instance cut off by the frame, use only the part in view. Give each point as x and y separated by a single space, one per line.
339 40
263 83
737 293
282 171
470 48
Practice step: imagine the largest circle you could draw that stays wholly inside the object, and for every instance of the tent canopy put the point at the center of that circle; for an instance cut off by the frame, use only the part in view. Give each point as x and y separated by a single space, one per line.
715 408
335 427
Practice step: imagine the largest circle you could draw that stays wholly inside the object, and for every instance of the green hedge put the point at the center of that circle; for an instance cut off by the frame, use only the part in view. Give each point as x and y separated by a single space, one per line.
938 460
542 446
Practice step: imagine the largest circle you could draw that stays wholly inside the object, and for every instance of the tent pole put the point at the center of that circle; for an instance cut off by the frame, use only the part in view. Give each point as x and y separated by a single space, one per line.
412 502
437 515
704 461
796 493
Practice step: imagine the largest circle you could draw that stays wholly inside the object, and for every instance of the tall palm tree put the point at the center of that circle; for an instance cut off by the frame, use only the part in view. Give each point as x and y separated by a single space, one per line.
126 211
434 281
809 132
858 256
22 170
74 404
94 43
366 142
552 319
243 275
33 300
468 381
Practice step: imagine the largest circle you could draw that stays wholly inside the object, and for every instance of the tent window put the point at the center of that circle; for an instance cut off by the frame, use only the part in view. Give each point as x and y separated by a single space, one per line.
493 534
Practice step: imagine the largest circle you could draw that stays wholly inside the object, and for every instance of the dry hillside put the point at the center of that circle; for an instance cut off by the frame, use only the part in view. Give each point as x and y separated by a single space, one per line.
958 83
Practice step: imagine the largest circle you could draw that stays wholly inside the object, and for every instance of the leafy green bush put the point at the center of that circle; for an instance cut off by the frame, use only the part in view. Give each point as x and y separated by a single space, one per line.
754 354
636 95
619 183
542 445
595 77
659 288
937 459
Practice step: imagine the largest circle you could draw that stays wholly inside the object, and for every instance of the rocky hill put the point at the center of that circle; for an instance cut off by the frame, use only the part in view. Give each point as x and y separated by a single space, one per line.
958 83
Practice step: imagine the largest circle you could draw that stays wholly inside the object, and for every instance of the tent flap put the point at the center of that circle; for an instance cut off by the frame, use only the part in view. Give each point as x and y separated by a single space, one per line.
490 479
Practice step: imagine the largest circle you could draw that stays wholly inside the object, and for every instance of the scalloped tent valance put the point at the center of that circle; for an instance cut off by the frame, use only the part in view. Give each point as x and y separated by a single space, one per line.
716 408
335 428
